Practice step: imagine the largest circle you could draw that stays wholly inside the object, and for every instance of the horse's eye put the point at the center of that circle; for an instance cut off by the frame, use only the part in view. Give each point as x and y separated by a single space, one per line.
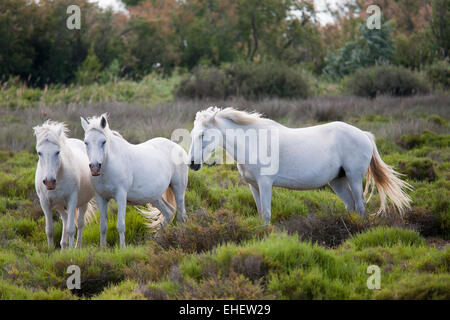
57 152
103 143
85 143
39 154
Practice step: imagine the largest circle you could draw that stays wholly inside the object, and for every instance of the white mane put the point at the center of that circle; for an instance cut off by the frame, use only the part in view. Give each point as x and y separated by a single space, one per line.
51 131
94 123
239 117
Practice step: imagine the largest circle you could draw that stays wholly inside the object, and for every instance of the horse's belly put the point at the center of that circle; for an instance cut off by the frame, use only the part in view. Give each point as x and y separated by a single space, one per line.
140 197
301 180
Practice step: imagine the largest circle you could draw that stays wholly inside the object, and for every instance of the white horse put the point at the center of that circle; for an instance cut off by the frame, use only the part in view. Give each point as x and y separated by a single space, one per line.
336 153
63 181
137 174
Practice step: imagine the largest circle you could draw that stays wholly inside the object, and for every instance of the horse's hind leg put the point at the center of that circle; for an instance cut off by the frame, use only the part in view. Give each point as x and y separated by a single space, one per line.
166 212
341 187
355 181
80 225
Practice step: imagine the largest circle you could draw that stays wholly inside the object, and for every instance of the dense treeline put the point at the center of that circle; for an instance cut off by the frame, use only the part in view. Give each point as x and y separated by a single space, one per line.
159 36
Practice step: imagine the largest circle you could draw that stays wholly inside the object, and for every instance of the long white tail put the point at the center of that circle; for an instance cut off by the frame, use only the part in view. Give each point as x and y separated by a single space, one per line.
387 181
152 215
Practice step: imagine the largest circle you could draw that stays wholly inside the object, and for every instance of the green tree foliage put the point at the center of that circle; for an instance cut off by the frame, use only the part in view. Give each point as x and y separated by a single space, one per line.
89 70
373 46
440 24
414 51
157 36
36 44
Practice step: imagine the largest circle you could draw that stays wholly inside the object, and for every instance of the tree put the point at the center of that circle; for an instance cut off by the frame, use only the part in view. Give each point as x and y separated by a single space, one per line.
440 25
373 46
89 70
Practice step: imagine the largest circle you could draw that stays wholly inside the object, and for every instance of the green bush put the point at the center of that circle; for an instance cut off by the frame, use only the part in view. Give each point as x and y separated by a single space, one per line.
439 74
419 169
249 80
387 80
419 287
386 237
427 138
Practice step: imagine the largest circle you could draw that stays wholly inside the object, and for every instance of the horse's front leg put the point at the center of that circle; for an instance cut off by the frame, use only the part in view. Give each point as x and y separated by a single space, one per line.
70 226
265 194
103 207
64 242
48 222
121 199
255 193
80 225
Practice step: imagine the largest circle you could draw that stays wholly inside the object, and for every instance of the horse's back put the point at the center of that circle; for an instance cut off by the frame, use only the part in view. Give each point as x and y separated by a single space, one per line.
162 145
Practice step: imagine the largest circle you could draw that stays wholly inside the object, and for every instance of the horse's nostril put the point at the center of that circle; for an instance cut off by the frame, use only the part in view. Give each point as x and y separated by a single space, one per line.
44 181
90 165
53 181
192 162
99 165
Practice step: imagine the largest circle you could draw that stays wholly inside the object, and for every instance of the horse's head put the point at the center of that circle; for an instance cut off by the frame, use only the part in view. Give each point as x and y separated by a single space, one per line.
95 139
50 138
205 138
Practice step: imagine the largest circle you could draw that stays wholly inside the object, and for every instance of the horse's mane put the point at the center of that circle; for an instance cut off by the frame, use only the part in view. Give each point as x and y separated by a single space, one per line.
239 117
94 123
52 131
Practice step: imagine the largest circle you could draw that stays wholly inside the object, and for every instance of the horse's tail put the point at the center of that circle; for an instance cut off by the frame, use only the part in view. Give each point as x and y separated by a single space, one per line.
89 215
170 197
153 215
387 181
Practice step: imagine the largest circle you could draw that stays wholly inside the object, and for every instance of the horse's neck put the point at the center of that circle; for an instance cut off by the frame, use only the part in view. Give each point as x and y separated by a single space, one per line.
236 146
66 159
118 148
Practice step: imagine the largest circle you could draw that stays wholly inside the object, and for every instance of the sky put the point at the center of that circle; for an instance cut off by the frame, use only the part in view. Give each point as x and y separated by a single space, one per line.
323 18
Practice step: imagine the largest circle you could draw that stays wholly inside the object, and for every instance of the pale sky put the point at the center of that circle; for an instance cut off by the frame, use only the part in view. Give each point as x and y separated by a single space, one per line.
320 5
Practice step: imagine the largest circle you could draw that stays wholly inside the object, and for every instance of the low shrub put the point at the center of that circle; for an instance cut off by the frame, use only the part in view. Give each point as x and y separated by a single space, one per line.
419 169
385 80
419 287
249 80
204 231
427 138
386 237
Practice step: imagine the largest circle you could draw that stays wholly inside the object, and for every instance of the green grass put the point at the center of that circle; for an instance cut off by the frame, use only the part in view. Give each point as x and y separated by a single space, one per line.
314 248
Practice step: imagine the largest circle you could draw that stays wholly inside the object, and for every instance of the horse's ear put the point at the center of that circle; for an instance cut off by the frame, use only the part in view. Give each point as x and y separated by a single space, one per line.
84 123
103 122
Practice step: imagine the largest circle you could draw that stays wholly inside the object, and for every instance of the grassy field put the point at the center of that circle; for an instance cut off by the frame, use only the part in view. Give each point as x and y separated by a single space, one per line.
314 249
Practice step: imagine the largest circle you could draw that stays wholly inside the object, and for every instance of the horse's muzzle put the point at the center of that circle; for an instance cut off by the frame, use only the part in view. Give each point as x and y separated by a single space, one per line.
195 166
50 184
95 169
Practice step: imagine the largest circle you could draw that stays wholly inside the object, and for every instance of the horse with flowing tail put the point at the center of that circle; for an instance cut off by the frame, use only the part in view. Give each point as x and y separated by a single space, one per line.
336 153
63 181
152 172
